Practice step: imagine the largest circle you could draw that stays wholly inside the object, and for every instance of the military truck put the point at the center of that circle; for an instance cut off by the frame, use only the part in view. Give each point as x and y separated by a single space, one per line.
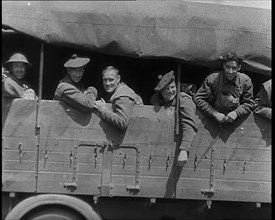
60 163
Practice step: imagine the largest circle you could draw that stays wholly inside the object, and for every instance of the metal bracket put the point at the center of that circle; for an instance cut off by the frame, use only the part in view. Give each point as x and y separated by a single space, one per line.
195 163
45 157
134 189
21 153
150 162
105 190
70 185
37 130
208 192
73 161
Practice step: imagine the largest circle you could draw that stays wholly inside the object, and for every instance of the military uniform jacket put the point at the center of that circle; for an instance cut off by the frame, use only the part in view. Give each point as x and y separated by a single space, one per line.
188 117
14 88
217 93
123 101
263 100
74 94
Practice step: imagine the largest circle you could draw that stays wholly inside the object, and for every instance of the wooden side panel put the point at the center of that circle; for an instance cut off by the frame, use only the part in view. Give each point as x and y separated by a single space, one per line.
242 162
242 154
19 146
81 154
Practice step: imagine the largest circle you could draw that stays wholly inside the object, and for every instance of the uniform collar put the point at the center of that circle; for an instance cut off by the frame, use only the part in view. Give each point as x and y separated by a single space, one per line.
235 81
18 81
68 79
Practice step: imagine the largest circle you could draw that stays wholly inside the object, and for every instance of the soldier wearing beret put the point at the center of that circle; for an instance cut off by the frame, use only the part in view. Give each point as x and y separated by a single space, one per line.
13 81
227 94
122 97
166 96
263 101
71 91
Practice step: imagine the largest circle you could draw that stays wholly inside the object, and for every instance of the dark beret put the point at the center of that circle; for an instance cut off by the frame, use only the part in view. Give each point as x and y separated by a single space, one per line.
164 80
75 61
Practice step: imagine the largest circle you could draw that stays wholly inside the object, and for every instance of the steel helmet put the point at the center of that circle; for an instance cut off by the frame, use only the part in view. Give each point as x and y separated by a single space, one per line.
18 57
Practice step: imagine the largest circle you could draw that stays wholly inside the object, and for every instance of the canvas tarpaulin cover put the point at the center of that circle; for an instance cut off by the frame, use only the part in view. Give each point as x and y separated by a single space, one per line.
190 32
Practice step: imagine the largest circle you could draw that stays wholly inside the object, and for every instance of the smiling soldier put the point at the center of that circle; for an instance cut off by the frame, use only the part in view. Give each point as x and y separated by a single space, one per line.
165 95
227 94
122 97
71 91
14 84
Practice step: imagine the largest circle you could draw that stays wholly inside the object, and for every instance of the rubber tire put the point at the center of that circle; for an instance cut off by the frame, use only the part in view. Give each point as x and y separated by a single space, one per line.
33 203
53 213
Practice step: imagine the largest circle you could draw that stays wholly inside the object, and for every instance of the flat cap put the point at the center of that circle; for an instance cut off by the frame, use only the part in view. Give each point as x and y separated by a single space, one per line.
164 80
75 61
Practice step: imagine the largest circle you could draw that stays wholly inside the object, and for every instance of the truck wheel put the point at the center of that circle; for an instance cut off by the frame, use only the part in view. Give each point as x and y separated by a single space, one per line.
54 213
52 206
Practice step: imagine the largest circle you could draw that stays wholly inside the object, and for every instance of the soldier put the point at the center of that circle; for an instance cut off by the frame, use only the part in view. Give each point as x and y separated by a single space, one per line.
227 94
166 96
71 91
13 83
122 97
263 101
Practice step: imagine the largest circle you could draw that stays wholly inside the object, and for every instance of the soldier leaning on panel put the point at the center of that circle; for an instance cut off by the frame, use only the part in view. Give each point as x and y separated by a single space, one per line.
122 97
263 101
13 83
166 96
227 94
71 91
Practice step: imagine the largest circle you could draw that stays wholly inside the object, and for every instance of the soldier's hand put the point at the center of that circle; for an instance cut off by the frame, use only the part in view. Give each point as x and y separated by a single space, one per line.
182 158
231 116
100 104
220 117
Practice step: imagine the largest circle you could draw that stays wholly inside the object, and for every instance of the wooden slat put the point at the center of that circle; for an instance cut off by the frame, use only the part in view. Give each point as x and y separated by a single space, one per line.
11 165
254 155
53 183
18 181
14 155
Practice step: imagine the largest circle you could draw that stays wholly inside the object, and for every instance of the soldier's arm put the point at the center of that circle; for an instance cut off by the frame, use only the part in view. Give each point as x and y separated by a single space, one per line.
203 95
121 114
83 101
9 91
188 122
247 103
261 103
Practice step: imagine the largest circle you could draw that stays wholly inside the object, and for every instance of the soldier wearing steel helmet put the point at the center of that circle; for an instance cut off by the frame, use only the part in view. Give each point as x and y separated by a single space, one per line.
13 82
71 91
228 94
166 96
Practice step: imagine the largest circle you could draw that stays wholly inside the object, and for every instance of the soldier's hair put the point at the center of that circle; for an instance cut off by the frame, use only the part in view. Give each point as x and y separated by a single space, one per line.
232 57
110 68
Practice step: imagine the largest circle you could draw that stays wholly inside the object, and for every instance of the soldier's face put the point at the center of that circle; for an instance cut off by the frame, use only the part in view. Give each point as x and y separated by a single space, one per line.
169 92
18 69
230 69
110 81
76 74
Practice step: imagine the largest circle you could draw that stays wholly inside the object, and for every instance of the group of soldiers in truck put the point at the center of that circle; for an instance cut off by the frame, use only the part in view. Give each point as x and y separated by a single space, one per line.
224 95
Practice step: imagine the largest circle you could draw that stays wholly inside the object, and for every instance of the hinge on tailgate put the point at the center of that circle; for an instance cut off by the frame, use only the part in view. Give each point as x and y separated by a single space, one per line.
37 130
210 192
